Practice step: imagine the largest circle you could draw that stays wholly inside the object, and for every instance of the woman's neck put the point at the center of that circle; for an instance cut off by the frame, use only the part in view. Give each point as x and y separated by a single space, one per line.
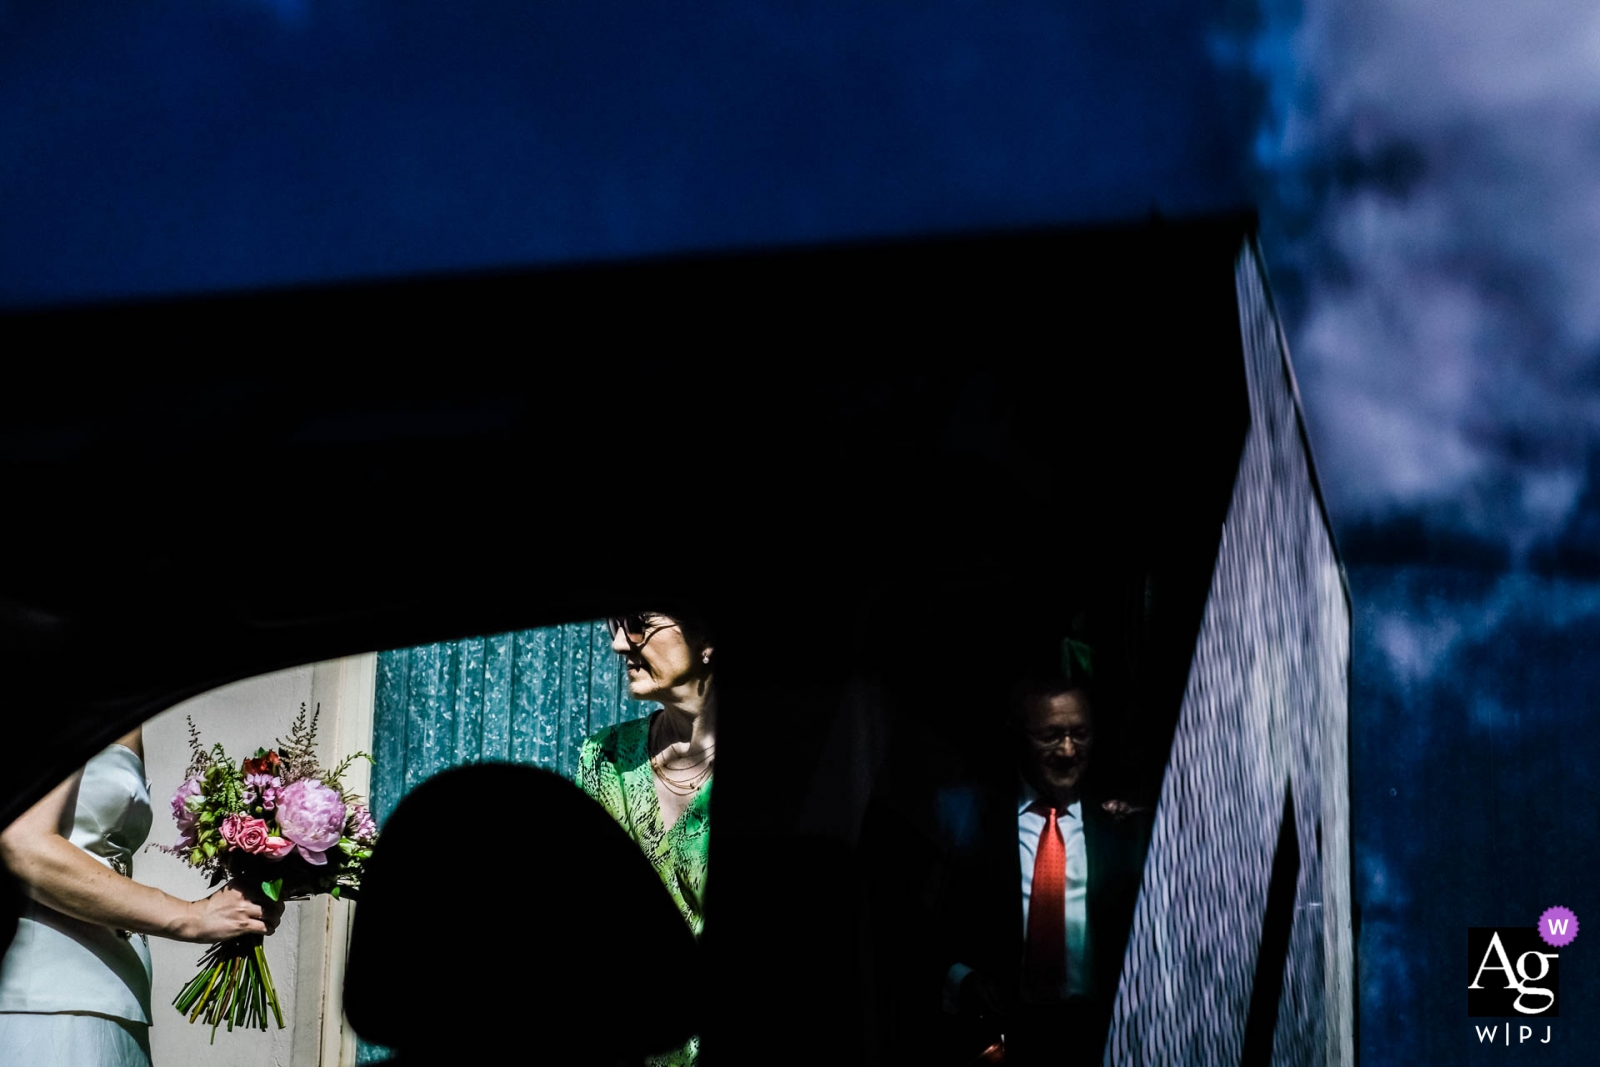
689 726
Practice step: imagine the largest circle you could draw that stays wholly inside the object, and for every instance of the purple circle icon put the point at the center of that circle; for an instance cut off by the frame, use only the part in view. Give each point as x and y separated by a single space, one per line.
1558 926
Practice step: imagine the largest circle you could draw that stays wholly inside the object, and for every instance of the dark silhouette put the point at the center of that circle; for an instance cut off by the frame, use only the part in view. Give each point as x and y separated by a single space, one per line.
486 927
10 907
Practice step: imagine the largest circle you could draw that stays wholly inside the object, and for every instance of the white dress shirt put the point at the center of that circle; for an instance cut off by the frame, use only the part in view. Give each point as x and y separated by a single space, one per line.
1030 825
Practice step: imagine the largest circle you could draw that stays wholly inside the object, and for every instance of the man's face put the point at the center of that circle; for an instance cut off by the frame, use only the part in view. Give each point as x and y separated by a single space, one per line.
1057 736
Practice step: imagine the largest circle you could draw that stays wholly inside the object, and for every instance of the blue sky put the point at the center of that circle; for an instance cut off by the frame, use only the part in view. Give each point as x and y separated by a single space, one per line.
1429 182
1429 178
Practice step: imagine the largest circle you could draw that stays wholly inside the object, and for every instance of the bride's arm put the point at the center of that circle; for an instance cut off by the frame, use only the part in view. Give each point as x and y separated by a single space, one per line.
59 874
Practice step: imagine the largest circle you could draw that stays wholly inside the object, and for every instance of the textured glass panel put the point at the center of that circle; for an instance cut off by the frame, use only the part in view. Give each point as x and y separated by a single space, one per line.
1265 714
573 711
469 700
430 712
497 680
607 694
530 732
388 731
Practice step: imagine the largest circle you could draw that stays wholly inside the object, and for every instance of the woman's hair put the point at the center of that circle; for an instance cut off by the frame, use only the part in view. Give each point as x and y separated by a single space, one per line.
694 623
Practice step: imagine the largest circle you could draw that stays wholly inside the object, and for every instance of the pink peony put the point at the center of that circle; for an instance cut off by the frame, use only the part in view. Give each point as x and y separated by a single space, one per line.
311 815
360 826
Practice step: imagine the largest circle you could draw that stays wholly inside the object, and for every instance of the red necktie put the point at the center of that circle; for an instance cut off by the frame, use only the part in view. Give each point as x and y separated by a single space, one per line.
1047 909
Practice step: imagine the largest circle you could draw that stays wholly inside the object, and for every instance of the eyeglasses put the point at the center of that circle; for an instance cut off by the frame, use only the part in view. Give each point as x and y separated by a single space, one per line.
1081 738
638 627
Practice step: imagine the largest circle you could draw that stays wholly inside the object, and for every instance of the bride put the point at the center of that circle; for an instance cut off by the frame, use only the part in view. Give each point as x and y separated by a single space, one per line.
75 985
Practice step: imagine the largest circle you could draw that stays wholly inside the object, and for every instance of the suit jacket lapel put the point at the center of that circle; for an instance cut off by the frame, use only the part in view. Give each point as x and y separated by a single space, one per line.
1002 879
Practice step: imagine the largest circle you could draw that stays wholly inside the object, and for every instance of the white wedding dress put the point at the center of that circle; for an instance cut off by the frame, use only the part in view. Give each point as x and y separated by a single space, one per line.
74 994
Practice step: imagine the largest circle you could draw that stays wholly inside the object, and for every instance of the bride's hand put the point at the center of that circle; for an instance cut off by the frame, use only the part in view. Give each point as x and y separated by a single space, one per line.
229 913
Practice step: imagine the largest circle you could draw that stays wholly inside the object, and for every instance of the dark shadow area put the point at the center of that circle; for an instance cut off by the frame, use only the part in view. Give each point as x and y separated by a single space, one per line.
1276 926
11 902
941 839
509 967
821 475
883 544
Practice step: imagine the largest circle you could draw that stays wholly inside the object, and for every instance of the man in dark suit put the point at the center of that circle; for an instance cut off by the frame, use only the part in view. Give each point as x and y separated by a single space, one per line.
1002 894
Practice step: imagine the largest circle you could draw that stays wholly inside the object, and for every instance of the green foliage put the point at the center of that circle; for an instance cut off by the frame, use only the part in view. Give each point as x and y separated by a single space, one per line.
354 849
273 889
299 750
335 777
198 756
1077 660
222 784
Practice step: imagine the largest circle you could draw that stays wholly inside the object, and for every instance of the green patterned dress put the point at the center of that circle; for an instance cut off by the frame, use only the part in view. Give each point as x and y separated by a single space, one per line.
614 768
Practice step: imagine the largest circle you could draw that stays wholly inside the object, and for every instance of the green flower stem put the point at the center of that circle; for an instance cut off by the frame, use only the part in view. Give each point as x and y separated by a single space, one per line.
266 978
219 1006
234 988
186 996
239 1000
216 972
261 1005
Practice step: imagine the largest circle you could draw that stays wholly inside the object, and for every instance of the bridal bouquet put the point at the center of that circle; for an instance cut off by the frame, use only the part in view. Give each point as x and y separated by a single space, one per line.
279 821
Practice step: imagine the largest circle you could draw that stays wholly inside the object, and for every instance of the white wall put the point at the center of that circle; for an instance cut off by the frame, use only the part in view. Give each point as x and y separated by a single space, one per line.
307 952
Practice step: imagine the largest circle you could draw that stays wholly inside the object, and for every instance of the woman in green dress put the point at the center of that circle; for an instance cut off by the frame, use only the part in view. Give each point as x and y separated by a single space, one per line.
654 774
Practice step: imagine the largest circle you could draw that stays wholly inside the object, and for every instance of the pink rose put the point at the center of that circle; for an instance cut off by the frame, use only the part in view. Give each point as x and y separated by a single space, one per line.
277 847
250 835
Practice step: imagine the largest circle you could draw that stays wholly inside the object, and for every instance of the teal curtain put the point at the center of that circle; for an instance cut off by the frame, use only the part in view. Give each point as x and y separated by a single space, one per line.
528 697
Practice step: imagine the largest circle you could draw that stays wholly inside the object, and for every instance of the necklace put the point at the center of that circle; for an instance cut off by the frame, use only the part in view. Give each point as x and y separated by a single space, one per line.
681 787
686 786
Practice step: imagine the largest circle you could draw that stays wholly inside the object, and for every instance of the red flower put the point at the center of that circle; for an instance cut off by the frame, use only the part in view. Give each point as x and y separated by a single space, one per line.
268 764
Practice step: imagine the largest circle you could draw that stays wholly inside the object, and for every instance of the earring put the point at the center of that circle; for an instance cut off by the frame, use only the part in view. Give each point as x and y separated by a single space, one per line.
706 659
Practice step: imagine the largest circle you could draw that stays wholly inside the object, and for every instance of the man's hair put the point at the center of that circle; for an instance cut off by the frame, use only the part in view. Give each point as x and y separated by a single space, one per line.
1043 686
